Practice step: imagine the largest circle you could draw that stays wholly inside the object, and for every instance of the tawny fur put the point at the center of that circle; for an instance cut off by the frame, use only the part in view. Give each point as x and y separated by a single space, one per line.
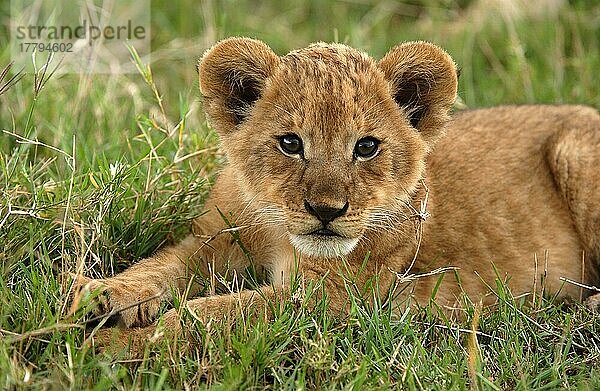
486 192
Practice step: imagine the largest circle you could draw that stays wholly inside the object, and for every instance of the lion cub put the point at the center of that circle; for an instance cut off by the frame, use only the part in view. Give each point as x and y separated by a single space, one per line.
340 165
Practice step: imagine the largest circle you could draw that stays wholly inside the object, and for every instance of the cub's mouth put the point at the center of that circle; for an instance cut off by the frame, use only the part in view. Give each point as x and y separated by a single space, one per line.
324 232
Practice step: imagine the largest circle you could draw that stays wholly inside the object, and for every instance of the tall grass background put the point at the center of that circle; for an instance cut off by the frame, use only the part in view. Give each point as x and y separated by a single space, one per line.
98 171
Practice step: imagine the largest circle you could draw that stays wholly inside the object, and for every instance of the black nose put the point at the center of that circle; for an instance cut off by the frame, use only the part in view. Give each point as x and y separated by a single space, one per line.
324 213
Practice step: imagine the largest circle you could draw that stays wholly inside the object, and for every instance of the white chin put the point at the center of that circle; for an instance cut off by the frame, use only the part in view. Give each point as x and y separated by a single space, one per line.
323 247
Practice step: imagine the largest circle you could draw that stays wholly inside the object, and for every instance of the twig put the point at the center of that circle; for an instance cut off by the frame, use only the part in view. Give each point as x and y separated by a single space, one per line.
422 214
461 330
36 333
403 278
579 284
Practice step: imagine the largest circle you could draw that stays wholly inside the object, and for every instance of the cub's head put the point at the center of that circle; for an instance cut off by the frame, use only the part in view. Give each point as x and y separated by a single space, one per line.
326 142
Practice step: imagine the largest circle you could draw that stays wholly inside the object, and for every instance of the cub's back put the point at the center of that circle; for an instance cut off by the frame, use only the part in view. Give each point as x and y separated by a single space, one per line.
493 196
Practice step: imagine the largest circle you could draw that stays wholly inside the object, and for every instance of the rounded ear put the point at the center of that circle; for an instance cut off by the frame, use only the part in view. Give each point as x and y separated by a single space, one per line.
232 77
424 81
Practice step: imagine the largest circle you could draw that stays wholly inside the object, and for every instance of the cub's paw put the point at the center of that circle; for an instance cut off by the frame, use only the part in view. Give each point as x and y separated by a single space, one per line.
127 303
127 343
133 342
593 302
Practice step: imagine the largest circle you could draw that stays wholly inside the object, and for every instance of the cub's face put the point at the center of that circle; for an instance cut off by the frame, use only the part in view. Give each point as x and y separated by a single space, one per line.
328 144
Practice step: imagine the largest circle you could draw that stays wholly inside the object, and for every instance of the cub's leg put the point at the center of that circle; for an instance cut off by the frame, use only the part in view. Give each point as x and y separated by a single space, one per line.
251 303
574 158
134 296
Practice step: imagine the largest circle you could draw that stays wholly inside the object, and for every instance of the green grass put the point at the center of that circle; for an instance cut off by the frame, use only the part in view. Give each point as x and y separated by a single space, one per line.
94 176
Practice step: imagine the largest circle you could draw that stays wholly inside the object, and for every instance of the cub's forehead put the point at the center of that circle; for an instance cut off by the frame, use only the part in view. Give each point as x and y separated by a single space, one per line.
327 61
331 79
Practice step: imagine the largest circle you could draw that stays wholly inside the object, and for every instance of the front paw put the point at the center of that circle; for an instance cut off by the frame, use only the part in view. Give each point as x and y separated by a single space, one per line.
128 303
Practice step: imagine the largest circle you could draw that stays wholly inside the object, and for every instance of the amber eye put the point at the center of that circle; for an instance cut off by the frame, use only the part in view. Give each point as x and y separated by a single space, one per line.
290 144
366 148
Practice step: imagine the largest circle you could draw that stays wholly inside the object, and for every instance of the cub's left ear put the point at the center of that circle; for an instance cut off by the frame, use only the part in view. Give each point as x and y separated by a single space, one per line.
232 75
423 80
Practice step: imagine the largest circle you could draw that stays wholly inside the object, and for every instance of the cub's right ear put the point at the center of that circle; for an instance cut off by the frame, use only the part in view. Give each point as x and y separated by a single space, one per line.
232 78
